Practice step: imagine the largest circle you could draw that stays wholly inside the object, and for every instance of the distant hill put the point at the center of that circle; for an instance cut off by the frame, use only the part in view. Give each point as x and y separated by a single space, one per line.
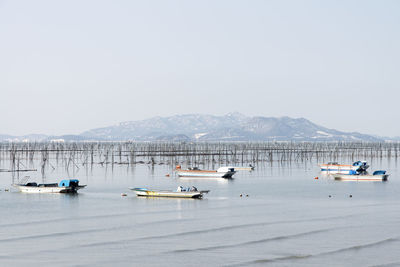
197 127
230 127
45 138
29 137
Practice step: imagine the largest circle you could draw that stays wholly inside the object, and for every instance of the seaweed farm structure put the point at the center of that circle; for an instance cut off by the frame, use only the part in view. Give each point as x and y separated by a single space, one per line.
48 155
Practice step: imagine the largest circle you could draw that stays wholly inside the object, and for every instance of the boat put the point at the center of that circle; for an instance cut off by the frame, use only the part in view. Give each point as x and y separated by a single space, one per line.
180 193
336 168
239 168
377 176
65 186
223 172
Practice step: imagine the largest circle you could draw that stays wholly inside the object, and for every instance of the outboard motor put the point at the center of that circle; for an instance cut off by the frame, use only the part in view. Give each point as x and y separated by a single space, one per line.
362 166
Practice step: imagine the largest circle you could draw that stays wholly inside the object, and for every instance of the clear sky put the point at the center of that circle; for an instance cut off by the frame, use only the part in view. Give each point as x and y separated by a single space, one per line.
69 66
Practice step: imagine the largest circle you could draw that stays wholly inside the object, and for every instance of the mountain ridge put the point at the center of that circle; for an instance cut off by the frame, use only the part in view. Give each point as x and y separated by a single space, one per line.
229 127
204 127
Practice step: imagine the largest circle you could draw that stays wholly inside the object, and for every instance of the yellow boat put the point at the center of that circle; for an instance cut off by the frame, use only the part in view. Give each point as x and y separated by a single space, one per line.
144 192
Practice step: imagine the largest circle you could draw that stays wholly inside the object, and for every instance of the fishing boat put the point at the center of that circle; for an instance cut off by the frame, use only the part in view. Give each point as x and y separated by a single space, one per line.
223 172
65 186
377 176
180 193
240 168
336 168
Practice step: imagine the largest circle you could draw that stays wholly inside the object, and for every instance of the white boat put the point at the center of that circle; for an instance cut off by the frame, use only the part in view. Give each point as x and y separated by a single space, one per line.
336 168
377 176
239 168
144 192
65 186
223 172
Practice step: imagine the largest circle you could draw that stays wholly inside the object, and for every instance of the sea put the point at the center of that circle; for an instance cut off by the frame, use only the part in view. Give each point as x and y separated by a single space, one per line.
280 214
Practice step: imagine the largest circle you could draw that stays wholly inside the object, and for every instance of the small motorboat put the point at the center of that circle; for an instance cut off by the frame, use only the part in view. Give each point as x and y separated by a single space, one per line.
65 186
223 172
239 168
377 176
180 193
336 168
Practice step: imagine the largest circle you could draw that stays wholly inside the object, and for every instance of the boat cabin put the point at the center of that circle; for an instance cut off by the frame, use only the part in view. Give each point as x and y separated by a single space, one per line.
69 183
360 163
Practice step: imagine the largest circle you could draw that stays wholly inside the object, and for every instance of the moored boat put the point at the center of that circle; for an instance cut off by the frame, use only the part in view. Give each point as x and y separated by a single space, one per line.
65 186
144 192
239 168
336 168
377 176
223 172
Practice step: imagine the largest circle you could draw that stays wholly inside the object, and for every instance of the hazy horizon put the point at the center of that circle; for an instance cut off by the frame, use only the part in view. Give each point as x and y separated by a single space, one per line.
67 67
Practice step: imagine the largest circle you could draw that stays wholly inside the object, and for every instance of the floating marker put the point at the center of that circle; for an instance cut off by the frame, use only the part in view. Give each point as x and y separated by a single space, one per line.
123 195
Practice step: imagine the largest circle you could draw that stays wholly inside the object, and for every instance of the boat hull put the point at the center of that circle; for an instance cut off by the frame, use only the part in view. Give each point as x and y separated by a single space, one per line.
361 177
172 194
55 189
205 174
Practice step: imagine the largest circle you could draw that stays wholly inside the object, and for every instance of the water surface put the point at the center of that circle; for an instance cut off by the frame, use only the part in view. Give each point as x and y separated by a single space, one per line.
287 220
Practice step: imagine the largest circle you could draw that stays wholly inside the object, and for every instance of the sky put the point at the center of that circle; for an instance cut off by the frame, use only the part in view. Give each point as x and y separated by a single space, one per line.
71 66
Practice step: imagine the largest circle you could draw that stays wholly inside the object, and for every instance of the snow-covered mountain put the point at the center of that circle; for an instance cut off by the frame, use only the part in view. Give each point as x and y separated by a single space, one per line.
197 127
230 127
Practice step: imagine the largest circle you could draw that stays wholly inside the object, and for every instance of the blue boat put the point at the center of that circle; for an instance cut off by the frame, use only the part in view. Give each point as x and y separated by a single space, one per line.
336 168
65 186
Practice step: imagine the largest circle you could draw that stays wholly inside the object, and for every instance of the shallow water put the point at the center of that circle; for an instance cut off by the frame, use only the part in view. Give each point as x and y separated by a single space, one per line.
287 220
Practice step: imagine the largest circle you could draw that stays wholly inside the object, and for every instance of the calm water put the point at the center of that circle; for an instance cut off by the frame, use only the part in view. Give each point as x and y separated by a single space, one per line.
287 220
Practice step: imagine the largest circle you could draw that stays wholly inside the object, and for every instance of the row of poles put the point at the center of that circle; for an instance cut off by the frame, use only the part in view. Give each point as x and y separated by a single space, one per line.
24 156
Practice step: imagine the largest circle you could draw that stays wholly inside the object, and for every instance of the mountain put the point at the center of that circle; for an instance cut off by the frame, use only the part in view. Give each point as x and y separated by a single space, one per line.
29 137
45 138
197 127
230 127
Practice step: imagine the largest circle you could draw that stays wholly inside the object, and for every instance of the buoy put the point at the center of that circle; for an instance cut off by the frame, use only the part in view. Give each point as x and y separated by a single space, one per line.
351 196
330 196
123 195
247 195
240 195
316 178
167 175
